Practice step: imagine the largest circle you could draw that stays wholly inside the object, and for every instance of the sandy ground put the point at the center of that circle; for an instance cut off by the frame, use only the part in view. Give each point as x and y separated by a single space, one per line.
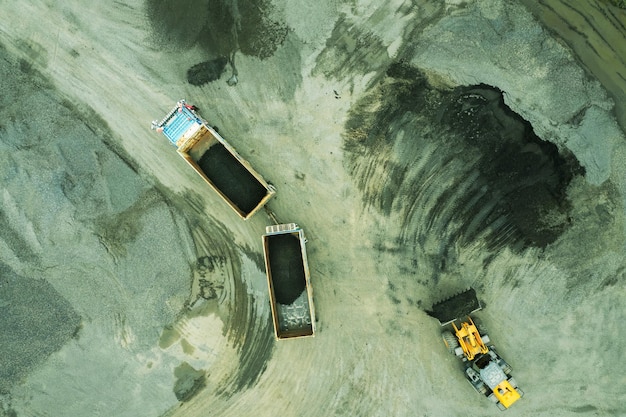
128 288
595 31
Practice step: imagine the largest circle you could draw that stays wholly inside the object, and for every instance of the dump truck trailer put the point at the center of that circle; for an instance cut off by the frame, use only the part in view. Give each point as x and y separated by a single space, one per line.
289 282
485 369
215 160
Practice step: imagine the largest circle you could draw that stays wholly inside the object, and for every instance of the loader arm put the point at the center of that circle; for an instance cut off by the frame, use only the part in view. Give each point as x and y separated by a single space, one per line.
469 339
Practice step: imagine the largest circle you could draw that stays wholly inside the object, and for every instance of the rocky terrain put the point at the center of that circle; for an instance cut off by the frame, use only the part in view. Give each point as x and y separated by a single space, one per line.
424 147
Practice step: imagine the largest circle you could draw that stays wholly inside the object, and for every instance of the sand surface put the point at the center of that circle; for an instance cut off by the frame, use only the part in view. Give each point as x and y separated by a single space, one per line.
424 147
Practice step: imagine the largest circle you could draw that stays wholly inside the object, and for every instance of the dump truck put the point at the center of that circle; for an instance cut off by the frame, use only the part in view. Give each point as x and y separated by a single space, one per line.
215 160
485 369
288 281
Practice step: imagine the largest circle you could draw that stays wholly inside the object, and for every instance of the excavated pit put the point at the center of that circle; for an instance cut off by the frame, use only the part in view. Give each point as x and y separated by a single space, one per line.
457 169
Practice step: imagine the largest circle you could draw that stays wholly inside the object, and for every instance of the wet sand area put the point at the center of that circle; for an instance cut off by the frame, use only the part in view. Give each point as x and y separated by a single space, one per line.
425 147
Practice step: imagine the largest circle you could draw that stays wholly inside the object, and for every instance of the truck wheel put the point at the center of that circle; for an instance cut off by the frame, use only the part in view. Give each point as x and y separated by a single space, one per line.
450 341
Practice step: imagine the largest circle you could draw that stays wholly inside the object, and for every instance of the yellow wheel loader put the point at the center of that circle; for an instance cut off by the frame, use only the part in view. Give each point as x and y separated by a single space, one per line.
488 373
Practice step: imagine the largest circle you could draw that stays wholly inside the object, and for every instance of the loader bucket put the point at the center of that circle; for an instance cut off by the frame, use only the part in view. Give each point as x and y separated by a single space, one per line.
456 307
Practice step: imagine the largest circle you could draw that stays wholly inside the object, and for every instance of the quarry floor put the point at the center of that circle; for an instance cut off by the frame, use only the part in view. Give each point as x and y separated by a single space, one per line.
424 147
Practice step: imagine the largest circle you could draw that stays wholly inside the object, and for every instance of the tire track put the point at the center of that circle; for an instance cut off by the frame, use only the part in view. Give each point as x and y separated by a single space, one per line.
246 328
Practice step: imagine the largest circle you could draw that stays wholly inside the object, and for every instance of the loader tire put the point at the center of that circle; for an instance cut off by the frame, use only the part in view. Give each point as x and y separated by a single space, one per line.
507 369
482 389
450 341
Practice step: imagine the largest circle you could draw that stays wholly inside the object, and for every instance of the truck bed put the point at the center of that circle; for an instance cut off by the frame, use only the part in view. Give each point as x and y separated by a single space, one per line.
227 174
288 279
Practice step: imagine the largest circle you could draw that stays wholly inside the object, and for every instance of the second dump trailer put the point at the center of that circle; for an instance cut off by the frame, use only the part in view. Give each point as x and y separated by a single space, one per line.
289 281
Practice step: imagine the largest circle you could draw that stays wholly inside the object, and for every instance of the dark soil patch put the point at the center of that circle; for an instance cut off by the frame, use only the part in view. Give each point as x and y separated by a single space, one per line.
529 175
177 23
206 71
521 182
221 27
260 35
287 267
232 178
457 169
